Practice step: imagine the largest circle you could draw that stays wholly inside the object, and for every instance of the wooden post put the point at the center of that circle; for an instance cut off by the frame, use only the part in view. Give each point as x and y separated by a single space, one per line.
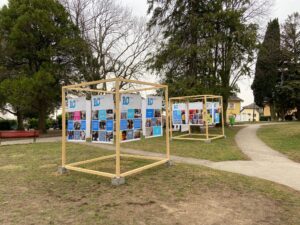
171 119
222 108
206 120
167 123
117 88
63 141
187 116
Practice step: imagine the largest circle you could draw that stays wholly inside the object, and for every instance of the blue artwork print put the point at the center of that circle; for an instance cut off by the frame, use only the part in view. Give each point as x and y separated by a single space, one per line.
102 114
129 134
102 136
137 123
83 125
77 135
217 118
123 125
130 113
156 131
177 117
109 125
149 113
95 125
96 101
70 125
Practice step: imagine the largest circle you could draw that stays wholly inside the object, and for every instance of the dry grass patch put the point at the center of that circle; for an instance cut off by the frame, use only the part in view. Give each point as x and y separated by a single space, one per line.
177 195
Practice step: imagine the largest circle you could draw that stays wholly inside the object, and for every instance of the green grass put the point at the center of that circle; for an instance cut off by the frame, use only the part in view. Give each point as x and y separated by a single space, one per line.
217 150
284 138
33 193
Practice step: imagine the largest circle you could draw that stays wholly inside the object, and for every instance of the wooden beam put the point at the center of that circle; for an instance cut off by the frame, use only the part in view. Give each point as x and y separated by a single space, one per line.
63 141
139 90
94 172
140 169
90 83
92 160
142 82
89 90
141 157
118 119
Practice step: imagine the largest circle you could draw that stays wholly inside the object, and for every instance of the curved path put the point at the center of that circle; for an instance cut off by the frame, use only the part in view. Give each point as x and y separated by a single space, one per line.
265 162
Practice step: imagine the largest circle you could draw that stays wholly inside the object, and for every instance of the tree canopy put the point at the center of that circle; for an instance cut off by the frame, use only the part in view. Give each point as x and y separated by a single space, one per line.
40 50
266 70
207 45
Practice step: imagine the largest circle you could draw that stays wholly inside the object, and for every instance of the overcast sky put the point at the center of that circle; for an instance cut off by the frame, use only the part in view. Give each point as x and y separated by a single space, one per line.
281 9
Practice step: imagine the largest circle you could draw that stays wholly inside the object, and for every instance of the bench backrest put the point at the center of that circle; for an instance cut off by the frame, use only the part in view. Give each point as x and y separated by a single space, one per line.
19 134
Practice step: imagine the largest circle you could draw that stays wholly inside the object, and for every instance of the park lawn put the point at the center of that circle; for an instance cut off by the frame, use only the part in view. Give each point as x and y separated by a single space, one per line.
284 138
217 150
33 193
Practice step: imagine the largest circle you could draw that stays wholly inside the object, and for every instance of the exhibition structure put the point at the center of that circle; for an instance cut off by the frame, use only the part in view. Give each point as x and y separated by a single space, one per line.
203 111
113 116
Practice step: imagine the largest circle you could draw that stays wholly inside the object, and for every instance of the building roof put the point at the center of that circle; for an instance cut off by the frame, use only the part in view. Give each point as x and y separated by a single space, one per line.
235 98
251 106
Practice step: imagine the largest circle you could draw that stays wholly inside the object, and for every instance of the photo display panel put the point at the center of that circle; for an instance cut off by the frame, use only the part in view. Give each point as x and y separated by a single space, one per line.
131 117
179 113
76 124
153 116
196 113
103 118
213 112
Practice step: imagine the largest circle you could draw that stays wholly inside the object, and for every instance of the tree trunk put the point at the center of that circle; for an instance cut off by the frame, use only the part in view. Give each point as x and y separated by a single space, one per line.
20 120
42 120
272 111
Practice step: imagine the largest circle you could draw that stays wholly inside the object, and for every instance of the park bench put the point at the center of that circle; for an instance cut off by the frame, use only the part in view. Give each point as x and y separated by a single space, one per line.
19 134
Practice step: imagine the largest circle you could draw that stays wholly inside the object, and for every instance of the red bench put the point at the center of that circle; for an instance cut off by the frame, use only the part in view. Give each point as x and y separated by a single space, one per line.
19 134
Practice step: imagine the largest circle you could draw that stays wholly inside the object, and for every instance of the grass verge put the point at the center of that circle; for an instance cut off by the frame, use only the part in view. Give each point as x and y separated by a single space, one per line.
33 193
284 138
217 150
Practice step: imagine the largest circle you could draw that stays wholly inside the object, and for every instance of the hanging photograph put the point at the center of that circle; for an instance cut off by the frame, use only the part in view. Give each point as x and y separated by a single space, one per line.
153 124
131 117
76 119
102 118
179 115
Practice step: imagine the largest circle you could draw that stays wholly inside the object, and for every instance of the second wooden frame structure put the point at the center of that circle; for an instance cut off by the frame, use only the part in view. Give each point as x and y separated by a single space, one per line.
118 176
200 137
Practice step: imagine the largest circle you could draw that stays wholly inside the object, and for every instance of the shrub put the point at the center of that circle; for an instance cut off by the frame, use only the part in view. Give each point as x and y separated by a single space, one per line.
265 118
8 124
33 123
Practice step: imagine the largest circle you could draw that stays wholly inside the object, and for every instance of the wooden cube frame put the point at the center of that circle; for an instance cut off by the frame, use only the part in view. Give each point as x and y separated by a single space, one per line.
200 137
117 155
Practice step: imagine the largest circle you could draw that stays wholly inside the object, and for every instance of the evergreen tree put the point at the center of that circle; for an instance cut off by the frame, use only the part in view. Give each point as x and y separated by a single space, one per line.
40 50
207 45
288 87
266 71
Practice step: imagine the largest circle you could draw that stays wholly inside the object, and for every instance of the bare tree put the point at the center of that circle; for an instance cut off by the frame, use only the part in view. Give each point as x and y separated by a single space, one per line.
119 42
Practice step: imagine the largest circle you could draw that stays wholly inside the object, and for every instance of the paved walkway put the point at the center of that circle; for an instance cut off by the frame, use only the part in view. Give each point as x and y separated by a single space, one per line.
265 162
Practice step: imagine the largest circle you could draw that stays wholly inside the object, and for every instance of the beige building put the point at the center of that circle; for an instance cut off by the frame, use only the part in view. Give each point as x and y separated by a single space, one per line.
250 113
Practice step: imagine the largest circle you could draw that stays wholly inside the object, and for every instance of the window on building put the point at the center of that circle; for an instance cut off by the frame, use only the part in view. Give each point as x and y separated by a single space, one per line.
231 105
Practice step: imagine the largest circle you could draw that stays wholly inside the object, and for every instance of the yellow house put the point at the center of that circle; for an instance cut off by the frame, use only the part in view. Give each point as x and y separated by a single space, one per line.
234 108
250 113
